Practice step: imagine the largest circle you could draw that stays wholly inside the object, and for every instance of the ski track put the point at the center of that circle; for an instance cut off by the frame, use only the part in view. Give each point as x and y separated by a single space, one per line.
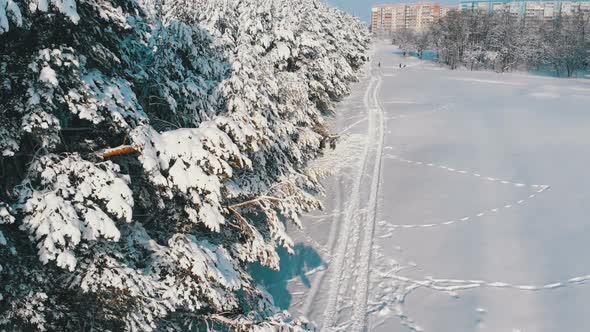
349 127
400 116
359 313
339 234
351 217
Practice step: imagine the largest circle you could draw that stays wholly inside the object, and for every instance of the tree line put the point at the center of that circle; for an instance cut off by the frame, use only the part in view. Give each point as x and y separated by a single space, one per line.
498 41
150 151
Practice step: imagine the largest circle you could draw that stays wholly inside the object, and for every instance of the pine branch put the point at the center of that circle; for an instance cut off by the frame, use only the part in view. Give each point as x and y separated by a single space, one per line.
238 325
243 225
256 201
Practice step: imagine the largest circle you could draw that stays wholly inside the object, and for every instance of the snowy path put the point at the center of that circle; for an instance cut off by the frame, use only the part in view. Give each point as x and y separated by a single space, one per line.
458 203
352 250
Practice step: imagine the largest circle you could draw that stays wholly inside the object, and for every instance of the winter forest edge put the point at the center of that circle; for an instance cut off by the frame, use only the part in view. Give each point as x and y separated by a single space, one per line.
151 150
496 41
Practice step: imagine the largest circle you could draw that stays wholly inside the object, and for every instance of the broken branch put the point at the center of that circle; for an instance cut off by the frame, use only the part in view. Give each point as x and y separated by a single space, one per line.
118 151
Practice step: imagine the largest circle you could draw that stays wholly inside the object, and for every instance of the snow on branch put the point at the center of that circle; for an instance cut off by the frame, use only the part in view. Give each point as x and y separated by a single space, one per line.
66 7
9 10
201 274
67 200
6 217
190 164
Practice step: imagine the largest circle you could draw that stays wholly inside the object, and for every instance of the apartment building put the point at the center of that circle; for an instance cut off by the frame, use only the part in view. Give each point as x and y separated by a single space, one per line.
419 16
536 9
445 9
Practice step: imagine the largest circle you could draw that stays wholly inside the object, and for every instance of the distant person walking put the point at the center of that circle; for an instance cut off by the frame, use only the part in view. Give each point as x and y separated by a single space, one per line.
400 65
379 64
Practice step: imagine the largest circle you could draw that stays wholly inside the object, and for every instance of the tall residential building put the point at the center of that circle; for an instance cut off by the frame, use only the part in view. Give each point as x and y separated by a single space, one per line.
445 9
539 9
413 16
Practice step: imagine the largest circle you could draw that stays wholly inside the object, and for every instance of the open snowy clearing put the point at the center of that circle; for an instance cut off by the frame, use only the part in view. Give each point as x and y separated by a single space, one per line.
458 204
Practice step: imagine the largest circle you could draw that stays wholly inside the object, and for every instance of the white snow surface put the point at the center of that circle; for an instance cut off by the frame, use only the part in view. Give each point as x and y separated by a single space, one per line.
48 76
457 204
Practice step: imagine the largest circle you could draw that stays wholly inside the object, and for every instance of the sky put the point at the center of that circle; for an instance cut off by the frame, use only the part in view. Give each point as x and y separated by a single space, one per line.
362 8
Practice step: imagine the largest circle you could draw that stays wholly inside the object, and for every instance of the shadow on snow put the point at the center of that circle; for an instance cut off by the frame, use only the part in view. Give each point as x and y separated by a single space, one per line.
295 266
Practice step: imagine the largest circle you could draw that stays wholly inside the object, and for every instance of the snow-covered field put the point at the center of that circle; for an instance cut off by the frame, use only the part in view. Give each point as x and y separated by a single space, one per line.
459 203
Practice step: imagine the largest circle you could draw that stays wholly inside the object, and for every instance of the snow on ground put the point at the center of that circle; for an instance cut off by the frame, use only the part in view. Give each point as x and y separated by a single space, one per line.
458 203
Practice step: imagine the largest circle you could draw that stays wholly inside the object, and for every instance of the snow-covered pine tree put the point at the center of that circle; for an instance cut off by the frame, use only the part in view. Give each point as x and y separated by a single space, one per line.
129 199
67 71
285 74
